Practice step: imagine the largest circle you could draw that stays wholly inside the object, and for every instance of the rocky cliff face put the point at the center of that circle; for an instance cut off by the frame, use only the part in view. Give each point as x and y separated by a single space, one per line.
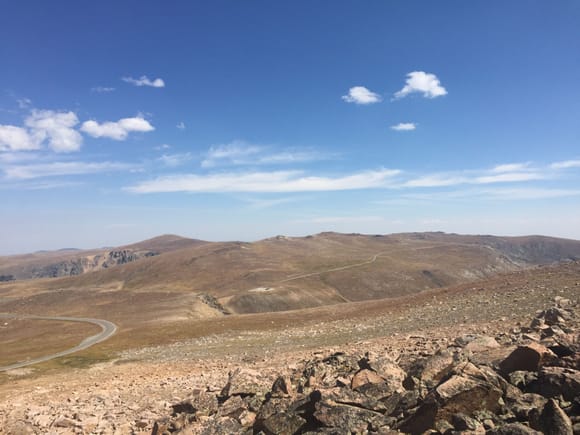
82 265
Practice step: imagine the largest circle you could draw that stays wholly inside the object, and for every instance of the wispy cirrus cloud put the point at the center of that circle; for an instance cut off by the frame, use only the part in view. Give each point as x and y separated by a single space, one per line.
233 153
345 219
361 95
40 184
18 157
509 177
243 153
566 164
423 83
275 181
24 103
145 81
483 194
487 177
103 89
55 169
301 181
502 173
174 160
118 130
511 167
262 203
529 193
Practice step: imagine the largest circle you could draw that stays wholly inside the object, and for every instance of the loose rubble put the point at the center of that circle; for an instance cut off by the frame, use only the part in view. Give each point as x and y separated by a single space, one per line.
525 382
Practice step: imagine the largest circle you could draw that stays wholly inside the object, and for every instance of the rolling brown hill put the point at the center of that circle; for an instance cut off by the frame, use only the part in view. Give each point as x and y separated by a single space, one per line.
192 279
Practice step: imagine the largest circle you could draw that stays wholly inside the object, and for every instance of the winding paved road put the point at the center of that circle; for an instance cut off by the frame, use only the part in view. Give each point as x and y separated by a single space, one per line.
108 329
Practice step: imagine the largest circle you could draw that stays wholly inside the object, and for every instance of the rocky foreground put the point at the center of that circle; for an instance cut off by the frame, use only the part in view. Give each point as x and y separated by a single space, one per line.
524 382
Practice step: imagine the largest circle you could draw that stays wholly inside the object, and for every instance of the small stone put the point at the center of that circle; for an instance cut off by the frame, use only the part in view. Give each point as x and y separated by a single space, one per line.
464 422
141 424
65 422
281 387
364 377
481 344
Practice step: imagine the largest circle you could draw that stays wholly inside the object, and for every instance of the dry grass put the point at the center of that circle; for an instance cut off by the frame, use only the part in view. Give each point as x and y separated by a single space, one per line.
22 339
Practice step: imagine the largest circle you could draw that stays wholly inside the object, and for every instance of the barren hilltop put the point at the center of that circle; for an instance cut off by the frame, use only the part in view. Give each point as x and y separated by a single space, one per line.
330 333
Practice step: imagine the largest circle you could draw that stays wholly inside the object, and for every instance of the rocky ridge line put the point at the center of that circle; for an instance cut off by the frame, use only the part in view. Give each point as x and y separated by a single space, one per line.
82 265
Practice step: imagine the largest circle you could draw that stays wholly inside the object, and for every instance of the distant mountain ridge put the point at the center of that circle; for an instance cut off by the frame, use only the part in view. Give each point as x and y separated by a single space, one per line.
288 273
72 261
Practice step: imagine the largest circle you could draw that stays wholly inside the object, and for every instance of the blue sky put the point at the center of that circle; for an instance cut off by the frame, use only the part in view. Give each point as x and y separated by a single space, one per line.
241 120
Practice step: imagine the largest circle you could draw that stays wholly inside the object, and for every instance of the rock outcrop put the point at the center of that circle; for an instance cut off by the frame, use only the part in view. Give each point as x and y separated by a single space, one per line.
91 263
525 382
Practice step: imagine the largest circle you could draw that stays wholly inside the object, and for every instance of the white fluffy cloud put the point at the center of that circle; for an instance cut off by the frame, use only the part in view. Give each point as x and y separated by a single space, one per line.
404 126
56 128
116 130
424 83
507 173
361 95
14 138
277 181
145 81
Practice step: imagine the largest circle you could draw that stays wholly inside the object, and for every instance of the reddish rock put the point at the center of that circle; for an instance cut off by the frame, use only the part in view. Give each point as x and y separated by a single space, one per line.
435 368
469 389
390 372
364 377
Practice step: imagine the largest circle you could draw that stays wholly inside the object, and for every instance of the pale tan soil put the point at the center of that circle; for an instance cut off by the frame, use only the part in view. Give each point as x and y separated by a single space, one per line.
127 394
